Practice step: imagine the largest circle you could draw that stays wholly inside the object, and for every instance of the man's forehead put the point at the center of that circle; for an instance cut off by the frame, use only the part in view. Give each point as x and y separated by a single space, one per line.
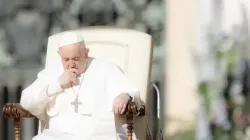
69 52
72 50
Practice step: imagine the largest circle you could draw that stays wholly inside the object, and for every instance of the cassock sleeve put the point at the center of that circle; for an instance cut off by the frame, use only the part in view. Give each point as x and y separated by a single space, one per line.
117 83
35 97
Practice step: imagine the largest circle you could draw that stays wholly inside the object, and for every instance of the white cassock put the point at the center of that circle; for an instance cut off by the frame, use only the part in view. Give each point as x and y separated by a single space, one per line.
95 120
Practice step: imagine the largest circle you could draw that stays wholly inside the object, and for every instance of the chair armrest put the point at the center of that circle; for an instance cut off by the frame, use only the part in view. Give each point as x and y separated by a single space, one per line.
15 110
134 110
131 111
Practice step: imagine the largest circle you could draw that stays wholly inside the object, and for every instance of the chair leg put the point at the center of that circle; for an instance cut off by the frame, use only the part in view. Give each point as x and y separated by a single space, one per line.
130 131
17 128
130 126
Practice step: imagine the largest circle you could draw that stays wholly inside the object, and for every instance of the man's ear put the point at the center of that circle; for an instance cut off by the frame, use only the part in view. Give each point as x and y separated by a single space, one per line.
58 52
86 51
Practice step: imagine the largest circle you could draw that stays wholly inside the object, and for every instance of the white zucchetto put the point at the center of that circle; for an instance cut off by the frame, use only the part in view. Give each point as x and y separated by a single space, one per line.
68 37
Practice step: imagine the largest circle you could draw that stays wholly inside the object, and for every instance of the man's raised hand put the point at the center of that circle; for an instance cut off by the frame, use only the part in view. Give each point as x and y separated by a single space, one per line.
68 78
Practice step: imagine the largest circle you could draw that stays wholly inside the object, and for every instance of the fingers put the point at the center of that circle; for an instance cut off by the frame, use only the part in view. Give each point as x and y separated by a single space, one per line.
119 108
120 104
73 77
115 109
74 81
73 70
123 108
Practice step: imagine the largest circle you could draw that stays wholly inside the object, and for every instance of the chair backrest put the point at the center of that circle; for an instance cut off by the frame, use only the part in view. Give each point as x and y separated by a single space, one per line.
131 50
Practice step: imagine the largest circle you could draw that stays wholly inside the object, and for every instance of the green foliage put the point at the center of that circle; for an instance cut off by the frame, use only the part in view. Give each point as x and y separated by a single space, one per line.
204 92
187 135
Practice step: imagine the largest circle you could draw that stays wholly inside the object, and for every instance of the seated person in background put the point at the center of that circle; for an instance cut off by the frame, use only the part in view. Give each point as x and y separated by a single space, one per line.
81 98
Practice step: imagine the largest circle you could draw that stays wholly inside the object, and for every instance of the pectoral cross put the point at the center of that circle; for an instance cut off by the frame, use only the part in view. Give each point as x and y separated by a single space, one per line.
76 103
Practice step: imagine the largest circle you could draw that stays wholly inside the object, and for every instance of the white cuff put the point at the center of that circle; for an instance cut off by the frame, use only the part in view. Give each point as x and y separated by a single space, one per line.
53 89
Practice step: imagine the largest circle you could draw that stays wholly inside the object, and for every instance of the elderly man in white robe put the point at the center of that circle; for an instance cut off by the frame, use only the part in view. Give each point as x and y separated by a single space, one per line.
82 98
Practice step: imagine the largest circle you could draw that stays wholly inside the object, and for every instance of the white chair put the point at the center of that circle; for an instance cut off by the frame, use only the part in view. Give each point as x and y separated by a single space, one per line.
131 50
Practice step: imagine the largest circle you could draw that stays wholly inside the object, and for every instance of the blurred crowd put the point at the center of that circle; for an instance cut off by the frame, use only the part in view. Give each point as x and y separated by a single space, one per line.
25 26
223 70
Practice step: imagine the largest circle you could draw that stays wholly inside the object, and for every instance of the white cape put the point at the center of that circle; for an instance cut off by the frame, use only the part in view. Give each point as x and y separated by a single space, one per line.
106 81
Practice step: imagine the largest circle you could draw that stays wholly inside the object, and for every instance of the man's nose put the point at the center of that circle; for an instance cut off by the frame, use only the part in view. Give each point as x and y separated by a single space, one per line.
72 65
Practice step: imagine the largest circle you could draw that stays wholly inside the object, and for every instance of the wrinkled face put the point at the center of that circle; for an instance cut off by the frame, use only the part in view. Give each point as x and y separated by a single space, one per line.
74 56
